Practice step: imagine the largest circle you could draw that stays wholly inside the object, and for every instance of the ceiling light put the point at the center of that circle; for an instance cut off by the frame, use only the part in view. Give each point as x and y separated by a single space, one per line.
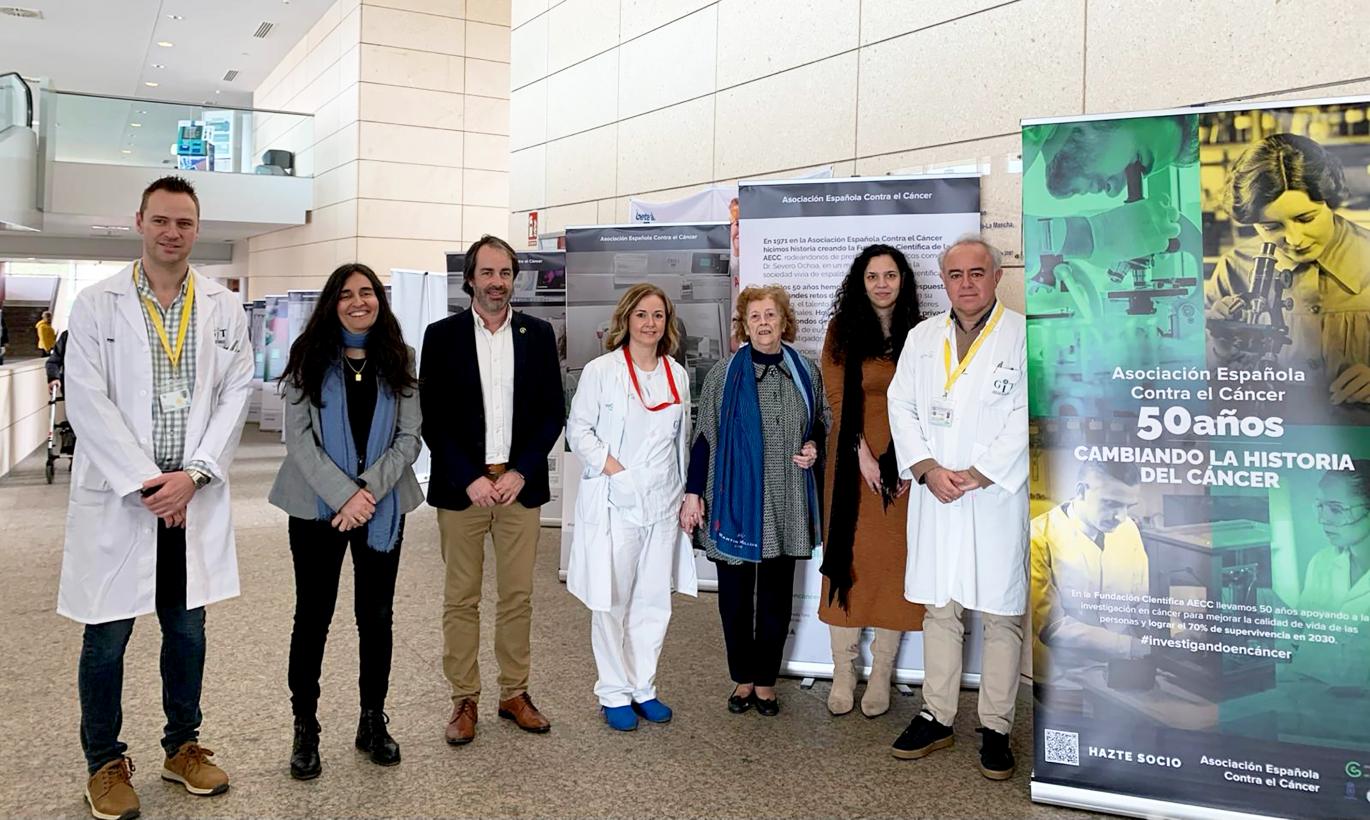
135 125
142 112
165 43
174 17
126 151
158 65
150 84
217 91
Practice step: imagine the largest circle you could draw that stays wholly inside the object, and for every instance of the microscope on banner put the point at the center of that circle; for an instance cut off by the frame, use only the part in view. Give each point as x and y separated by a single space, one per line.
1224 568
1258 331
1087 318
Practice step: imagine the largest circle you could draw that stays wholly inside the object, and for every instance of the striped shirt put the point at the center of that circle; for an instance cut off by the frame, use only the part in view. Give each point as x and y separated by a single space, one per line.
168 426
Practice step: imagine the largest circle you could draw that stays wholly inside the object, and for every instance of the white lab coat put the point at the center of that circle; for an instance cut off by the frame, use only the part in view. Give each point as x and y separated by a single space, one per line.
973 550
109 564
594 430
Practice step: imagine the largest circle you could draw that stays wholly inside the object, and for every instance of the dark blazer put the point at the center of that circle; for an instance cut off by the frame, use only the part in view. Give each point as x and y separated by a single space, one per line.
454 409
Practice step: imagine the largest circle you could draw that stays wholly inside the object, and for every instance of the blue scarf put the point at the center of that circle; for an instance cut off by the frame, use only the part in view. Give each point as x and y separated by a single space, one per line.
738 479
338 443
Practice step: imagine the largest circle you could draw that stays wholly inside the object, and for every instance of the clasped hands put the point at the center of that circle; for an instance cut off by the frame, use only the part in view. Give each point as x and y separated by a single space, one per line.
948 485
498 493
170 494
358 510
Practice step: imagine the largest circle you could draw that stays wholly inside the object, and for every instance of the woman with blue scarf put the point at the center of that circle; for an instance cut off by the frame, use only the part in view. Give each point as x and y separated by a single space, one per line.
752 496
352 433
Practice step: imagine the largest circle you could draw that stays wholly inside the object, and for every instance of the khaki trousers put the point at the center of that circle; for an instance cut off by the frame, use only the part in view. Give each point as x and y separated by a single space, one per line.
943 631
514 531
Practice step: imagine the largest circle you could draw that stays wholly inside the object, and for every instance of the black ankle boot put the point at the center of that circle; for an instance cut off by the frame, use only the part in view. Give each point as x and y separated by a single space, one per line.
304 752
374 739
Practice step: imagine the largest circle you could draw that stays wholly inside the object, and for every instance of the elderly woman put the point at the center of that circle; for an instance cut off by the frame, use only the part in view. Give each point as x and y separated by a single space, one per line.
629 426
762 420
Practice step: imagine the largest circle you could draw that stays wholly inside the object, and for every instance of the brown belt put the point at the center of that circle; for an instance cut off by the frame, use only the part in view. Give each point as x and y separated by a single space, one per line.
496 470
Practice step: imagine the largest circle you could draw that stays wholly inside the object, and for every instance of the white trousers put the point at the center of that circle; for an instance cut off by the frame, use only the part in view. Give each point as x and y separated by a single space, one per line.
627 639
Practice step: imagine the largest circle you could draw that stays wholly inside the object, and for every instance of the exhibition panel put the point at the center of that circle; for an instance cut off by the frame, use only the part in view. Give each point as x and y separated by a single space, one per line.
803 235
1198 305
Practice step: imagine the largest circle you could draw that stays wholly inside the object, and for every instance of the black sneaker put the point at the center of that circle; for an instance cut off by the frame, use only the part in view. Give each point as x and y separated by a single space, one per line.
996 758
374 739
923 736
304 752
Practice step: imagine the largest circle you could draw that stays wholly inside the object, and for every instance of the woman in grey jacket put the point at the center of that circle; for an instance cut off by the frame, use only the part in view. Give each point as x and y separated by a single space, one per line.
352 433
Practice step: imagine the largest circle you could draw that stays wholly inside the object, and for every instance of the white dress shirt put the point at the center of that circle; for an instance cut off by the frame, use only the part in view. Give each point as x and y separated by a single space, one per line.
495 357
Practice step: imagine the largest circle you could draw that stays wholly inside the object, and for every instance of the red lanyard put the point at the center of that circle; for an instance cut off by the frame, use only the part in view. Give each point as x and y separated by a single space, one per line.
670 379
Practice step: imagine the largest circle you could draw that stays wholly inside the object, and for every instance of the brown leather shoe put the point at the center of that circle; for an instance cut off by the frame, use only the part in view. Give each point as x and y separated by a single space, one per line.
191 767
521 710
461 729
110 792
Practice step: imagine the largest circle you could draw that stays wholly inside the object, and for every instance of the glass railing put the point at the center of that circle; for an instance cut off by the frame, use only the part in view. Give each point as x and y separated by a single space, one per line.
177 136
16 102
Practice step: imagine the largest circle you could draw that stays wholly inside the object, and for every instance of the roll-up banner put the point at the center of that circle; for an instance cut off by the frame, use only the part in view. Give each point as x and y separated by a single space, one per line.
418 298
803 235
539 290
690 262
1198 304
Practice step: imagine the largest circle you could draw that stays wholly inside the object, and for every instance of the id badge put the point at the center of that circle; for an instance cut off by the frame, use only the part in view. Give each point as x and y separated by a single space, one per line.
941 413
177 398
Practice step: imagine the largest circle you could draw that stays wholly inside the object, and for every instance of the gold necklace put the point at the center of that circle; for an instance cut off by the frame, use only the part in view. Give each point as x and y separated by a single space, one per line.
356 371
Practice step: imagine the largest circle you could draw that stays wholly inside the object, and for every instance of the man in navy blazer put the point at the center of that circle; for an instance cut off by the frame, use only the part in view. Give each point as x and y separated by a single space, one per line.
493 407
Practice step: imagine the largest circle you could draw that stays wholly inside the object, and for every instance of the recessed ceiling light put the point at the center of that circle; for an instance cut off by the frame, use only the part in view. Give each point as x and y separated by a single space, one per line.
158 65
217 91
142 112
165 43
174 17
126 151
150 84
135 125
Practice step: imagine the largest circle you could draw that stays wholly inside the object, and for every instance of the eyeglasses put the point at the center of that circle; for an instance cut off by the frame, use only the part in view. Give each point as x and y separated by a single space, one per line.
1336 513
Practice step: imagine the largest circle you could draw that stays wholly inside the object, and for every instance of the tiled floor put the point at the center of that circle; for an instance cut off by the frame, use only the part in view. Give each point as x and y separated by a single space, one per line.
707 763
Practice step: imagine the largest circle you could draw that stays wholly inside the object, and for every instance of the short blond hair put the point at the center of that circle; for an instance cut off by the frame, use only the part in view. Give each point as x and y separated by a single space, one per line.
755 293
618 324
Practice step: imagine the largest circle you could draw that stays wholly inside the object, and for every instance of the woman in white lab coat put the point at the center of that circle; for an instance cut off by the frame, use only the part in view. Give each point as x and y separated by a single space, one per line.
629 425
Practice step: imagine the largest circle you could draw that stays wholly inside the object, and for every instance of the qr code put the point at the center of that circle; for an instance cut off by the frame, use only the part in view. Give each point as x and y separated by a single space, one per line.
1062 747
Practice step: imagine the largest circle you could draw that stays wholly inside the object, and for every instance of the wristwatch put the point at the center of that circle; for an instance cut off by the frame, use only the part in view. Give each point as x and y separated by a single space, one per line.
200 477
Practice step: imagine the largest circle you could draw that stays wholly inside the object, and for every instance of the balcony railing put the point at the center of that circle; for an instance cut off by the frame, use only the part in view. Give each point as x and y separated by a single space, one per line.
177 136
16 102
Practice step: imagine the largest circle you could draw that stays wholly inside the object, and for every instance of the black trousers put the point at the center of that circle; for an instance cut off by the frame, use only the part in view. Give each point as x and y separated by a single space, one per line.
317 550
755 602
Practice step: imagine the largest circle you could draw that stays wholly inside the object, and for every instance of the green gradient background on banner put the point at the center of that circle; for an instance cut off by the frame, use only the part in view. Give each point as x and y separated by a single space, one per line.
1112 281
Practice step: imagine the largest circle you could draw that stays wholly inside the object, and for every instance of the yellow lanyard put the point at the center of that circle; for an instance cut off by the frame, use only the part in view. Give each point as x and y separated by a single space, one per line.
154 313
953 375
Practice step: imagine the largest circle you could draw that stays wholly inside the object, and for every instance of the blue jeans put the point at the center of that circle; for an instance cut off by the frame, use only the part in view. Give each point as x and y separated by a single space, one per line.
100 676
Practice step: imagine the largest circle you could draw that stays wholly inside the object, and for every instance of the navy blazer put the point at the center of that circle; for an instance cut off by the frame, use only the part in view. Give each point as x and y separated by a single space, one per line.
453 407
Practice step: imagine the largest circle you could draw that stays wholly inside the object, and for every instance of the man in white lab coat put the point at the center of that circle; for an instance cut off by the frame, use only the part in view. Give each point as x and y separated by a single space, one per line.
158 368
958 415
1085 547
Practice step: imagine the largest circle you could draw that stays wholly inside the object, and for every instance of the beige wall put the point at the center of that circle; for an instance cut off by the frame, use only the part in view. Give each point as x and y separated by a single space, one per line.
410 145
619 98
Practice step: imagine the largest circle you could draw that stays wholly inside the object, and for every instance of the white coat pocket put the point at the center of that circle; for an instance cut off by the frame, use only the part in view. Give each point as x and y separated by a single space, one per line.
1003 380
622 490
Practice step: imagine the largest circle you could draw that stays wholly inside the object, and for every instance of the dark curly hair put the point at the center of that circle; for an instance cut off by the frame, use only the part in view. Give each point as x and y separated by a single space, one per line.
320 344
854 326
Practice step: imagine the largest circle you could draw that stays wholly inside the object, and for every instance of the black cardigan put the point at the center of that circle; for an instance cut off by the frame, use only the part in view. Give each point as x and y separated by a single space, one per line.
454 410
